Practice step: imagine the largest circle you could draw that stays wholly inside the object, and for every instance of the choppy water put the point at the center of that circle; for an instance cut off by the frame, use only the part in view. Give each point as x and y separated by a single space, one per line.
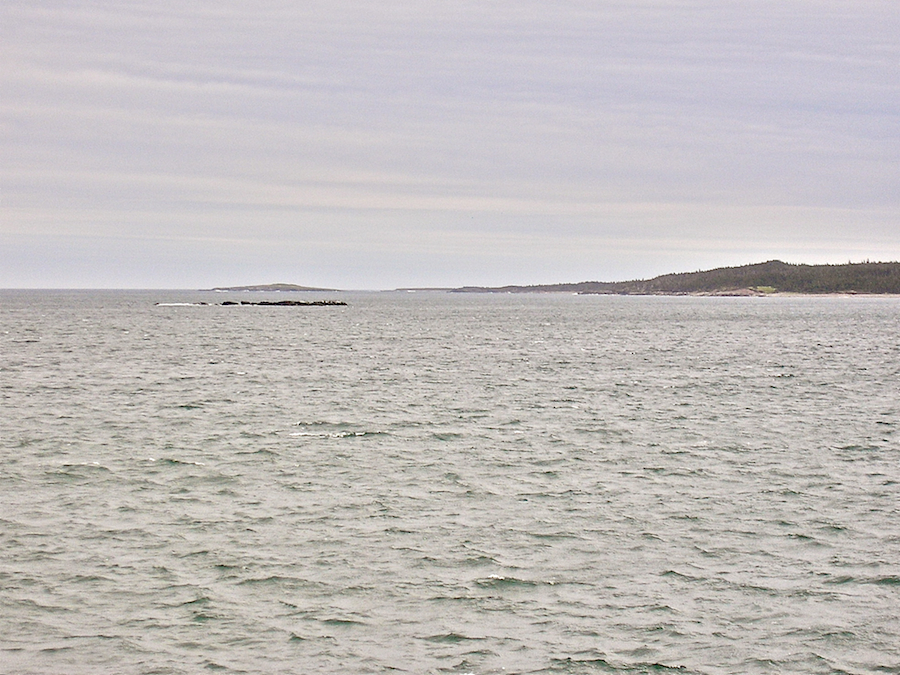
430 483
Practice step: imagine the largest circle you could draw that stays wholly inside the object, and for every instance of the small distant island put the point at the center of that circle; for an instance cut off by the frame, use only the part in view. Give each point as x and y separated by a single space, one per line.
272 287
759 279
287 303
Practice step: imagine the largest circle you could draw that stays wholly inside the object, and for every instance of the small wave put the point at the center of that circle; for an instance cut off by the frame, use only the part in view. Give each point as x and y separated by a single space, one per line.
196 602
450 638
553 536
337 434
500 581
88 579
259 451
176 462
600 664
323 429
212 665
93 466
325 424
273 579
655 668
843 579
56 648
891 580
78 472
677 575
194 554
343 623
799 536
446 436
181 304
43 607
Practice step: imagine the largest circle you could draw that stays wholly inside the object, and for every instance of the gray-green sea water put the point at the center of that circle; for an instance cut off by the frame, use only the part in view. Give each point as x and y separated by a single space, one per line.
442 483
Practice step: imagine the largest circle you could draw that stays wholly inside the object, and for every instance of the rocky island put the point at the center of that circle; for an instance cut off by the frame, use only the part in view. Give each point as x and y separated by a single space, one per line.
272 287
288 303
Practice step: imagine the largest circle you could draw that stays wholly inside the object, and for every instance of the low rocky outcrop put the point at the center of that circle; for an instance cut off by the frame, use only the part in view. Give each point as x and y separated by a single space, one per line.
288 303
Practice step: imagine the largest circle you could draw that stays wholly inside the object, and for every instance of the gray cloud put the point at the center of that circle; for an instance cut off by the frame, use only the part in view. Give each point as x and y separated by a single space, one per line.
419 143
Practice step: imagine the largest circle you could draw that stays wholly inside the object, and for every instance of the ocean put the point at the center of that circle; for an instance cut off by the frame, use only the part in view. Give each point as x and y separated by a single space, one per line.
448 483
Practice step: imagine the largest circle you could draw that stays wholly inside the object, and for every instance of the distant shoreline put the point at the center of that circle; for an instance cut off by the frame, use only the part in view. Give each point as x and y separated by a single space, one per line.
758 280
278 288
772 278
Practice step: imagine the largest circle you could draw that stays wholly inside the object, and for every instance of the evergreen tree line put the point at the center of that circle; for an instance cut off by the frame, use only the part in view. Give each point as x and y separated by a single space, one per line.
771 276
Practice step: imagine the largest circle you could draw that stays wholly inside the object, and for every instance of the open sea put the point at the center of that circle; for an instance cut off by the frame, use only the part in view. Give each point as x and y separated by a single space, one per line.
448 483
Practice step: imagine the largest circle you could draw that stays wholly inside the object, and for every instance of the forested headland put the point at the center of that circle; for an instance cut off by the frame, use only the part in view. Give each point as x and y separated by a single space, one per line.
765 278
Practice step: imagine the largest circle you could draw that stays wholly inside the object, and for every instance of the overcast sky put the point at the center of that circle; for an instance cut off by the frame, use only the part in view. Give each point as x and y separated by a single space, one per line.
381 144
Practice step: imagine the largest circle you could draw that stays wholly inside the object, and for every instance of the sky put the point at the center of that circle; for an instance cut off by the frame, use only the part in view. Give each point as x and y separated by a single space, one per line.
376 145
